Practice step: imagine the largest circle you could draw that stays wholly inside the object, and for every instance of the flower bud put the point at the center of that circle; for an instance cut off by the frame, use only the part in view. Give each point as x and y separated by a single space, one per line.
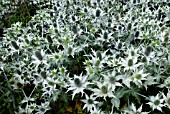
148 50
166 39
105 35
70 49
14 44
138 76
49 39
98 13
77 82
97 63
43 74
137 34
130 62
27 41
74 29
99 55
38 55
104 89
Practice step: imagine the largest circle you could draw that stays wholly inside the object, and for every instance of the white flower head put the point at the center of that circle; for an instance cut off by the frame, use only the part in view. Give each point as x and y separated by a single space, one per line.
138 76
103 90
132 52
149 54
31 107
98 58
43 108
130 63
90 71
50 82
98 54
90 102
57 57
119 45
70 50
18 81
97 12
156 102
77 84
112 80
39 57
105 36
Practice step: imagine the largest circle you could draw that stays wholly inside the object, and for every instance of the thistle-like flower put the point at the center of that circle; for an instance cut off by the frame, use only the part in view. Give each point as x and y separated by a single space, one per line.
31 107
50 82
39 58
57 57
114 62
130 63
98 59
18 81
90 102
156 102
70 49
105 36
77 84
132 52
111 80
41 109
103 90
149 55
138 76
90 71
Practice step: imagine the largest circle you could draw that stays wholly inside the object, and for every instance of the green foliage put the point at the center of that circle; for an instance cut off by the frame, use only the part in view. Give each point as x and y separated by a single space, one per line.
23 13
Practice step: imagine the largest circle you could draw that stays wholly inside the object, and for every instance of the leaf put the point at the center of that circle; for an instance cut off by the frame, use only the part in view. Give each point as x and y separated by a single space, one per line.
64 97
137 97
115 102
119 93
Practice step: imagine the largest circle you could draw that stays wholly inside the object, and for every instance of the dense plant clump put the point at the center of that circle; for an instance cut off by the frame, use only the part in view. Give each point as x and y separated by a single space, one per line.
88 56
13 11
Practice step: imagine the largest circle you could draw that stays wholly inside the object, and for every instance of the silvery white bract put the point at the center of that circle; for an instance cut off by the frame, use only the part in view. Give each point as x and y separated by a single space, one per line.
77 84
156 102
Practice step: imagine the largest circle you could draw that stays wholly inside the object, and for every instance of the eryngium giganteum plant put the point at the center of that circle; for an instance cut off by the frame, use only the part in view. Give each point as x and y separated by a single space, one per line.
103 56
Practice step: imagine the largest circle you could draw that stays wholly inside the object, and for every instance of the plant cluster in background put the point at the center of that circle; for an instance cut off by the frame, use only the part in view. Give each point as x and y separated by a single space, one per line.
88 56
14 11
